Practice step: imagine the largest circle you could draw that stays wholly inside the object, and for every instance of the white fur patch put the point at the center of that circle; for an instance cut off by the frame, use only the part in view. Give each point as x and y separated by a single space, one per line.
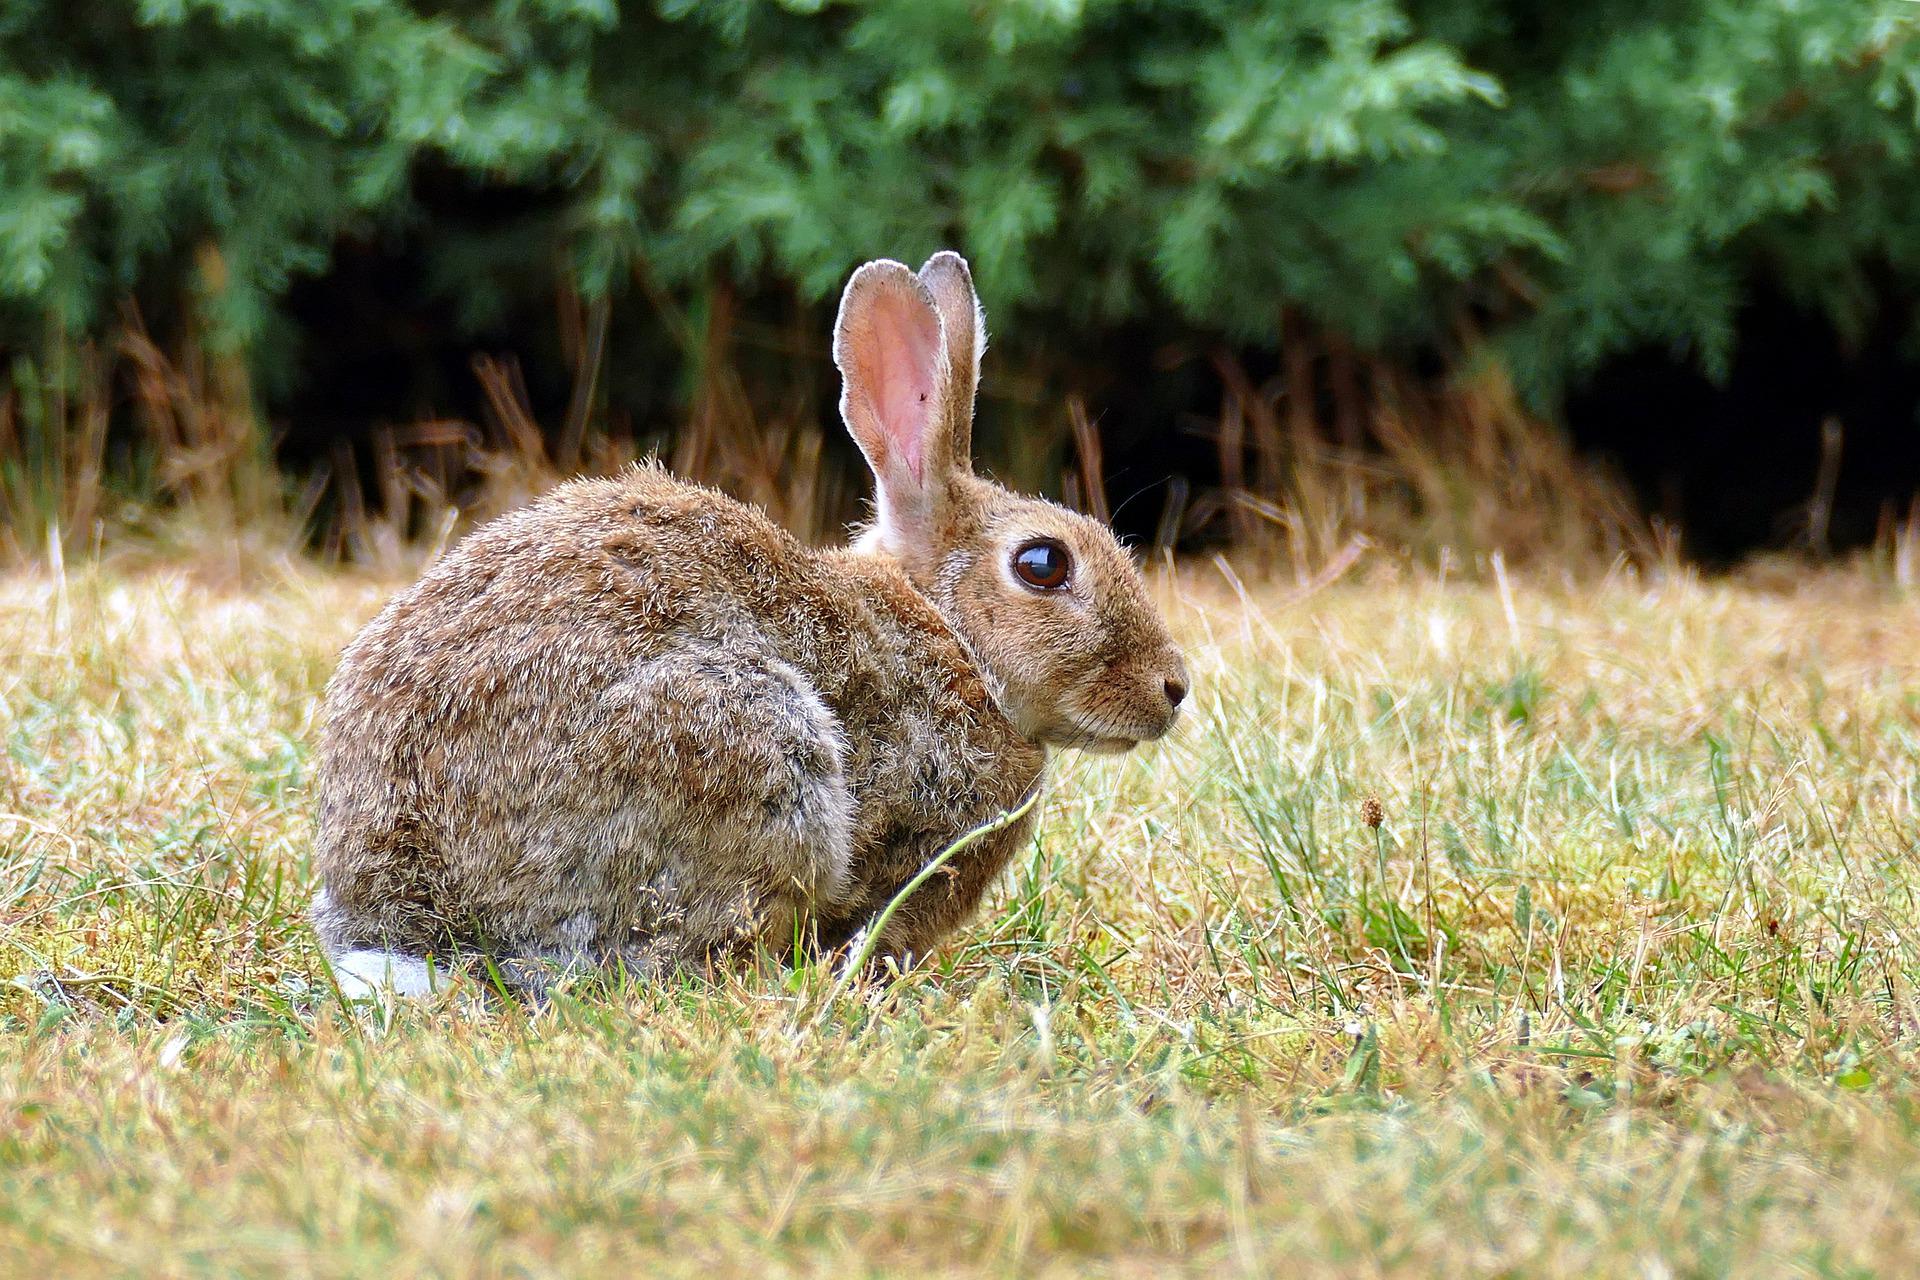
371 974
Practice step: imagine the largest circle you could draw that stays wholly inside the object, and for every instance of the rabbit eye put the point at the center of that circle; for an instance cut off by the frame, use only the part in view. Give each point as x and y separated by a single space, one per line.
1043 564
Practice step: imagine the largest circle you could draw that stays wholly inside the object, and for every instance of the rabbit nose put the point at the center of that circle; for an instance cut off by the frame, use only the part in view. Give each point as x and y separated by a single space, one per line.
1176 690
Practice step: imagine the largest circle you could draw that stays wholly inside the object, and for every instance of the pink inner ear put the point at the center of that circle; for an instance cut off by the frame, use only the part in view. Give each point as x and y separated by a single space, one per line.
905 338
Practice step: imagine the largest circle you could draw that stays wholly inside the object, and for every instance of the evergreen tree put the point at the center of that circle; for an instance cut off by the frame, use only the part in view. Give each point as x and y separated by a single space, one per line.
1576 179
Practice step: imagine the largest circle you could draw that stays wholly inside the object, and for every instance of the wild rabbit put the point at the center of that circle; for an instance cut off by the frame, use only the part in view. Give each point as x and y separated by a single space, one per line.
636 723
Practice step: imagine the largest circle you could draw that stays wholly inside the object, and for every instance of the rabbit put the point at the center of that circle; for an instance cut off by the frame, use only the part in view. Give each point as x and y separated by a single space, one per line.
637 724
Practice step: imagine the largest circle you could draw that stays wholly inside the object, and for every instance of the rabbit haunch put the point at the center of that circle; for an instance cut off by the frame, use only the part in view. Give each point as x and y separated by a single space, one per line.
636 722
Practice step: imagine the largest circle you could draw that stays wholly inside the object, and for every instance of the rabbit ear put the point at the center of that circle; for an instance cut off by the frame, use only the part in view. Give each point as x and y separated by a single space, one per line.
899 396
964 327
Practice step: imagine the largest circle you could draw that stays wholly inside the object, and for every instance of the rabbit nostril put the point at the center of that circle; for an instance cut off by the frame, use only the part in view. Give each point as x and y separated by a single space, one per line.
1176 690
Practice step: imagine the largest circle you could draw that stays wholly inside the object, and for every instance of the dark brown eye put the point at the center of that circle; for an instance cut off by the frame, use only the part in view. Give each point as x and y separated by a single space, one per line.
1042 564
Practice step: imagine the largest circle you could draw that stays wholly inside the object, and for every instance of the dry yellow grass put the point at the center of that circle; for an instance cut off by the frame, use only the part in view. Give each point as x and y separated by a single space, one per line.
1620 983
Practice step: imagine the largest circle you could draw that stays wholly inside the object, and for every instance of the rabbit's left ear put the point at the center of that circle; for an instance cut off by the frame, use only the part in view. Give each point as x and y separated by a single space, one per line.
963 325
907 348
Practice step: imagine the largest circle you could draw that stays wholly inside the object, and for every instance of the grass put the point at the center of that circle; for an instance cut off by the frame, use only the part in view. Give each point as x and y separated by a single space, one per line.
1620 984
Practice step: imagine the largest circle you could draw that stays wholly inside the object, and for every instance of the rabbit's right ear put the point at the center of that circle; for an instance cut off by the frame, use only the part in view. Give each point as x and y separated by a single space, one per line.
901 400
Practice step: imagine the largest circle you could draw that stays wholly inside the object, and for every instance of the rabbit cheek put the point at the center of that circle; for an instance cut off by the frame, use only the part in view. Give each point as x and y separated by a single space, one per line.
1036 657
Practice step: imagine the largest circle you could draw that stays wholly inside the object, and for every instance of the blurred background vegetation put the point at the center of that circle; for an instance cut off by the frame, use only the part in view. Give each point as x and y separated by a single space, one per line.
1478 275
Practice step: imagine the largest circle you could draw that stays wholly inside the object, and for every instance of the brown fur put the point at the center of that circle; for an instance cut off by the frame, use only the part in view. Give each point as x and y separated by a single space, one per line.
636 721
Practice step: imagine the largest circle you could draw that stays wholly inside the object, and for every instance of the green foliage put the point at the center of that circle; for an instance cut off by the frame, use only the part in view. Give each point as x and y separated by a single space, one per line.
1578 179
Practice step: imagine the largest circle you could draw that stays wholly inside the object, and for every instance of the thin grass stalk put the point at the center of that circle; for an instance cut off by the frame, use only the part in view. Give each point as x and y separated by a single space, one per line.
856 964
1092 467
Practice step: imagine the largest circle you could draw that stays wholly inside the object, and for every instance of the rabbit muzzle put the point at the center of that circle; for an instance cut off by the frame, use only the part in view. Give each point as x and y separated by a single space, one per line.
1118 710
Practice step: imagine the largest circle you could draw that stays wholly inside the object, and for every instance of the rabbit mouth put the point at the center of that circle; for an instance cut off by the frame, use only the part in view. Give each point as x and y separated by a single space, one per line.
1103 740
1112 736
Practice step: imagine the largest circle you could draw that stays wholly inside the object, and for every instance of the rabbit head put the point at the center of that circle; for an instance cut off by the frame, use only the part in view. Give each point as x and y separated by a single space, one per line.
1051 606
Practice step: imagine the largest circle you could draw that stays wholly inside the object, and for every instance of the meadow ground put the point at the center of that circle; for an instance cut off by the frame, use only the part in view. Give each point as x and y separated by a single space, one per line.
1621 983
